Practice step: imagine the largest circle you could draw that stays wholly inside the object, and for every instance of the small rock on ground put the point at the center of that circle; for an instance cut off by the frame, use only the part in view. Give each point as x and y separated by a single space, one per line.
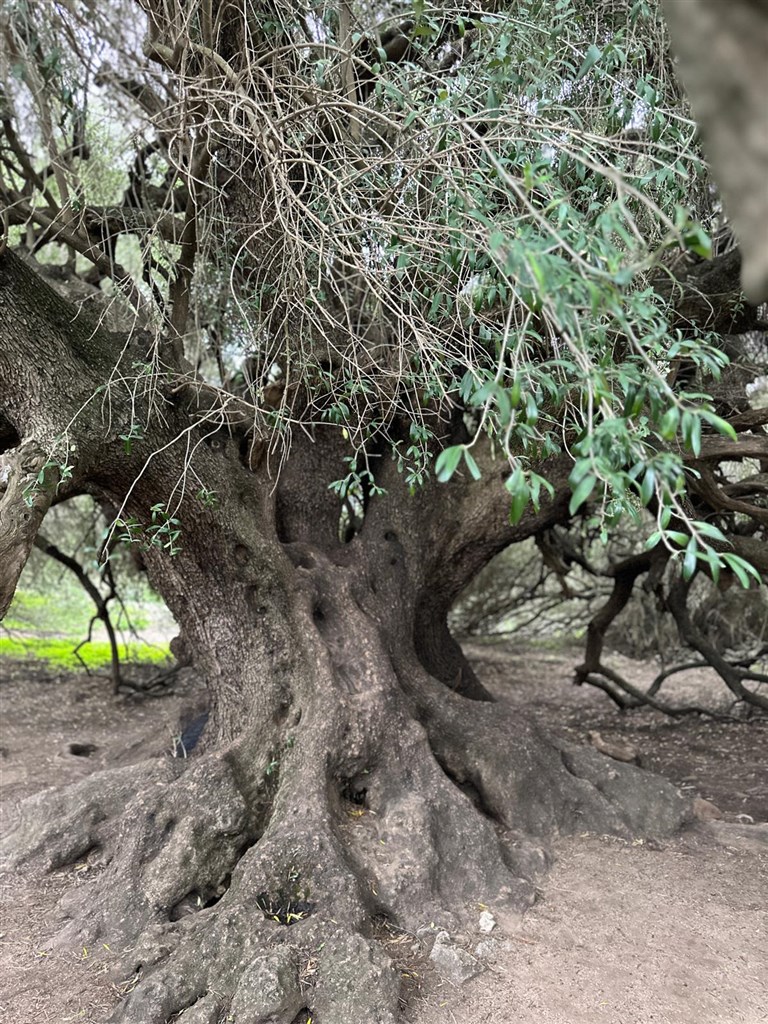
453 963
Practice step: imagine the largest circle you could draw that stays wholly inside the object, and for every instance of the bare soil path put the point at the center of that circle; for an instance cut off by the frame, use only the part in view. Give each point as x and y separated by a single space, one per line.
623 932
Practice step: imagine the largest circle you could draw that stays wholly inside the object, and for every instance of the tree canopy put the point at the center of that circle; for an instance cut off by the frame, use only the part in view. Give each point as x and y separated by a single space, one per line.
335 218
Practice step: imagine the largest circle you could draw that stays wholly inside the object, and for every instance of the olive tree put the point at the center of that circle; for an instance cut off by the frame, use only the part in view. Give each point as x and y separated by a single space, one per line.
345 301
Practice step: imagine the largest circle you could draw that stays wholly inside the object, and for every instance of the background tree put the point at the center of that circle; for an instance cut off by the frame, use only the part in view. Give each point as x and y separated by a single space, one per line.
397 290
571 589
79 605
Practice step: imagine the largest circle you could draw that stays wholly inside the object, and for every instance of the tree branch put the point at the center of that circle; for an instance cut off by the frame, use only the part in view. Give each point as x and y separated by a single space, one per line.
717 449
624 576
732 675
452 530
60 232
718 499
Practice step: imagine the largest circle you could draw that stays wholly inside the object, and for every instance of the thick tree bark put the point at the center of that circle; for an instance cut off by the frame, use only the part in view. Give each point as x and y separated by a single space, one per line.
346 773
357 787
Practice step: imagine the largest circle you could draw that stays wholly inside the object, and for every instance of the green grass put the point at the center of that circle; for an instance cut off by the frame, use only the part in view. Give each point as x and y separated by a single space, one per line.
50 625
60 654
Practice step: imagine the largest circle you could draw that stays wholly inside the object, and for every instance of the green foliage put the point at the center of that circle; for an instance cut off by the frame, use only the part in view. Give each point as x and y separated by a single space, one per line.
55 471
207 498
506 218
356 483
561 170
163 530
33 610
509 221
413 458
134 433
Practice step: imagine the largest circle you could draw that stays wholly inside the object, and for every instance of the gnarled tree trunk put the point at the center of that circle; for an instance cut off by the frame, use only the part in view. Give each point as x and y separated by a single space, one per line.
352 769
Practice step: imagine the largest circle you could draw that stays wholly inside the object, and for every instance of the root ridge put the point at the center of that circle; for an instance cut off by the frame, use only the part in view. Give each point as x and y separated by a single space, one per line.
248 887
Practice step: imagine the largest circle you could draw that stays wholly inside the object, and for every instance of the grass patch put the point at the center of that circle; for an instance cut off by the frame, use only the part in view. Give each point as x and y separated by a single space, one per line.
60 654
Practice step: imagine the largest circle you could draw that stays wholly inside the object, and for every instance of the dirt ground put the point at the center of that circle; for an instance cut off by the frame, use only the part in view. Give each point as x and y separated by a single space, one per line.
672 932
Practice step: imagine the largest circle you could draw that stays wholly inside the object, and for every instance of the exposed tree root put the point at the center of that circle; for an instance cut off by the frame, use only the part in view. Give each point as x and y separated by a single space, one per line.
382 795
58 827
539 786
627 696
251 889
